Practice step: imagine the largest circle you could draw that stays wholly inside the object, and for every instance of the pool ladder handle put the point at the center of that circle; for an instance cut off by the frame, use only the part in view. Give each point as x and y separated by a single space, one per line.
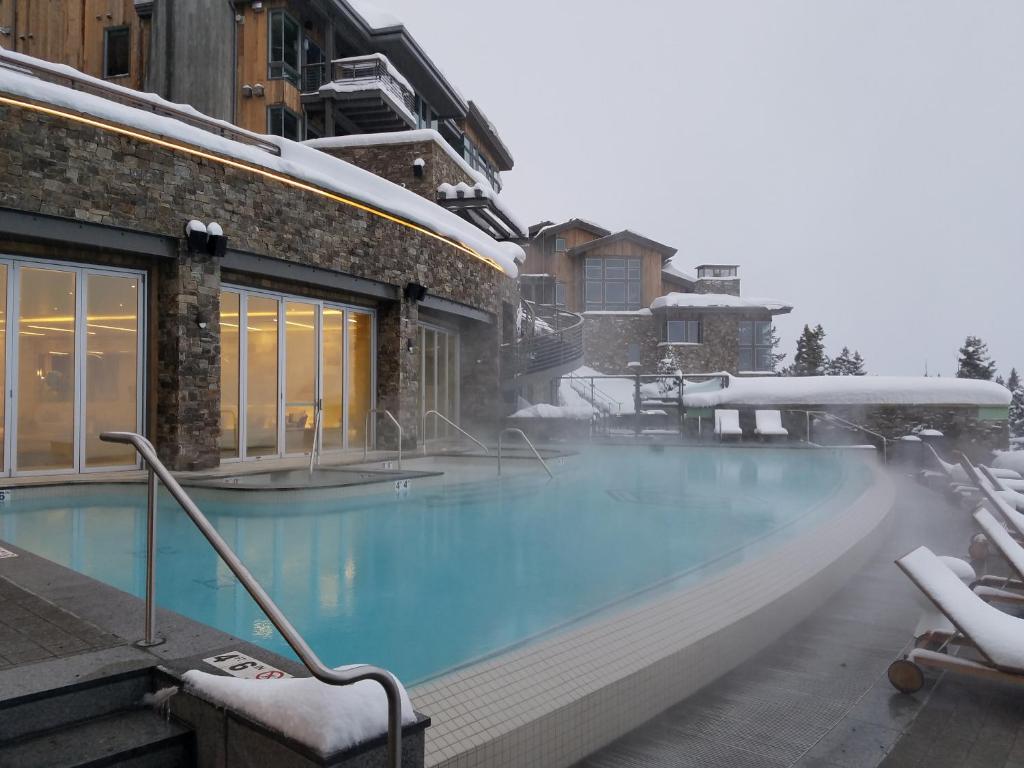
527 440
451 423
366 432
832 417
318 438
297 643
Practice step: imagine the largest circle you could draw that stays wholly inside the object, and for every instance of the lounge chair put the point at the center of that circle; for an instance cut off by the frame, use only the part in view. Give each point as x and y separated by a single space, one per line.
1000 505
957 475
769 424
727 423
996 636
1001 589
1000 484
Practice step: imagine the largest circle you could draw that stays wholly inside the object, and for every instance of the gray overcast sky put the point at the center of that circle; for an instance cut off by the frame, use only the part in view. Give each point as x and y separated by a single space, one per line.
862 159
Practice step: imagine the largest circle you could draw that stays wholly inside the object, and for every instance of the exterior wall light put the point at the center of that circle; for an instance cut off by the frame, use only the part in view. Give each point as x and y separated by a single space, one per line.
202 320
408 346
417 167
257 6
206 238
247 91
195 234
216 242
257 90
415 292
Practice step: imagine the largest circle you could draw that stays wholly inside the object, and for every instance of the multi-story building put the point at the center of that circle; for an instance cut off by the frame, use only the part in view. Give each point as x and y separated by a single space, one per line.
638 306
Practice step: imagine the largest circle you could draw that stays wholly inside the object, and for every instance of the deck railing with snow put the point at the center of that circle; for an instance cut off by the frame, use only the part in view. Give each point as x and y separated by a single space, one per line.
373 70
553 340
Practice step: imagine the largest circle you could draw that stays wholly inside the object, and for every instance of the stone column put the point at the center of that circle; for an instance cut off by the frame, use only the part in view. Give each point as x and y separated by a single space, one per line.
188 362
398 373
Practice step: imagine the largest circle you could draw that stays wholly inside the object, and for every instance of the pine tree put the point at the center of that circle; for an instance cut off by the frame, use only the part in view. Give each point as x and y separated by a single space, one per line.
858 365
1016 387
810 359
776 356
974 360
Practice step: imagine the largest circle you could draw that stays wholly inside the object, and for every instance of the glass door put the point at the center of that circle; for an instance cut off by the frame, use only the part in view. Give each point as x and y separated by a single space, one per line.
300 375
439 385
332 393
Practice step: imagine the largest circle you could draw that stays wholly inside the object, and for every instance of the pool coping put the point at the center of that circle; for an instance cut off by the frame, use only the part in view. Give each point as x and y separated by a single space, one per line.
554 701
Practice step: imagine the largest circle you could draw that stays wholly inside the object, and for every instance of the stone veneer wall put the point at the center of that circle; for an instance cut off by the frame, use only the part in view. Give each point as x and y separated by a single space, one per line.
730 286
53 166
394 162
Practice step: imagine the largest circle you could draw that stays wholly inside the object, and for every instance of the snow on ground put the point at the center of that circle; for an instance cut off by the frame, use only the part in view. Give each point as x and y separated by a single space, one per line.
296 161
548 411
851 390
327 718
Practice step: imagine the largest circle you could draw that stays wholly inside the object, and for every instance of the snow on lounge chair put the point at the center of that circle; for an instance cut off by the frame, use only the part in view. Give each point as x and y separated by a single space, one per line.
999 503
959 476
769 424
1001 589
727 423
997 636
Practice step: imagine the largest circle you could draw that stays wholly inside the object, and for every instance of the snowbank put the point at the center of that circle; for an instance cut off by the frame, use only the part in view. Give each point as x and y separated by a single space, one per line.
850 390
296 161
547 411
1010 460
327 718
706 300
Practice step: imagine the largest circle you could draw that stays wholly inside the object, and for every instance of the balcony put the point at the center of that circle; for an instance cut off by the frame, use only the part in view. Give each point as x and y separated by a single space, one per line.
365 93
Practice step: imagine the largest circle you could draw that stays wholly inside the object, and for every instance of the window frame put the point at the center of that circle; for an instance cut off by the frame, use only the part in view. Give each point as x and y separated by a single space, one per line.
692 331
107 35
625 272
299 122
758 349
560 245
282 70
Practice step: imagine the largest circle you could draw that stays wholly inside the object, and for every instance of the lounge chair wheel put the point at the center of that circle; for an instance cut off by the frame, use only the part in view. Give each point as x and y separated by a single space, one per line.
906 676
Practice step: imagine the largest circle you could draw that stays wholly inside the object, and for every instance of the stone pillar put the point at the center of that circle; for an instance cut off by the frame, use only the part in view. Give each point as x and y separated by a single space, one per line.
188 362
398 373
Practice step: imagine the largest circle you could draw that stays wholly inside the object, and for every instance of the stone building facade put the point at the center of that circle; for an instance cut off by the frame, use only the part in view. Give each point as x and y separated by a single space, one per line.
93 195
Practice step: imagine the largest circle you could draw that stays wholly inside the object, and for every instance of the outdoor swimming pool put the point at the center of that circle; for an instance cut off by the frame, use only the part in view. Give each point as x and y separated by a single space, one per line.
447 573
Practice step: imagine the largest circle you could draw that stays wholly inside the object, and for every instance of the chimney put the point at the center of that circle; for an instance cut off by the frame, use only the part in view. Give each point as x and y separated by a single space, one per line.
718 278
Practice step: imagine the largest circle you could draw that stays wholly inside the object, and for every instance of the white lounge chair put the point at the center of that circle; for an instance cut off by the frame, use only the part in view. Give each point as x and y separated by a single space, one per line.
1001 589
727 423
769 424
959 476
995 635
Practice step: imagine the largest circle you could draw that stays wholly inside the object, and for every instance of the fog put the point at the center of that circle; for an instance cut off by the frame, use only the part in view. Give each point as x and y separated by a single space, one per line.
861 160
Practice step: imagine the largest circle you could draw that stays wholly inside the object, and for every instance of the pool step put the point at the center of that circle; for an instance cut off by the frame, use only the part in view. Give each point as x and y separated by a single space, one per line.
96 723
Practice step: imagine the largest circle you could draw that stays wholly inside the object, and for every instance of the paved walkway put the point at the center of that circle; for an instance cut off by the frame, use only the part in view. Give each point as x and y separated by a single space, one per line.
819 696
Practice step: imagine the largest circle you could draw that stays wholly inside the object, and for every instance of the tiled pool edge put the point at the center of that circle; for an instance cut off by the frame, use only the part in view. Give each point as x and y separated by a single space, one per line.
554 702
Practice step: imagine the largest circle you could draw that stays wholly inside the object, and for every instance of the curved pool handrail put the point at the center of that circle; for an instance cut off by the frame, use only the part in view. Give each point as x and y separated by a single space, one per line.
527 440
448 421
366 432
297 643
317 439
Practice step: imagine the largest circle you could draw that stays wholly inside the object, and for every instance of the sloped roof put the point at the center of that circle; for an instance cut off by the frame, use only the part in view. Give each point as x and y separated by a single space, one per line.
666 251
672 272
587 226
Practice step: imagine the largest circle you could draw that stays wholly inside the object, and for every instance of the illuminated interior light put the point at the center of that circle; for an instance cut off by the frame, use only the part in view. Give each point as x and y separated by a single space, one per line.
287 180
299 325
51 328
30 333
111 327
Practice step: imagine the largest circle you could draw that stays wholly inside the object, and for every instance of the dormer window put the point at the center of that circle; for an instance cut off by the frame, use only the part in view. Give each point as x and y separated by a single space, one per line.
559 245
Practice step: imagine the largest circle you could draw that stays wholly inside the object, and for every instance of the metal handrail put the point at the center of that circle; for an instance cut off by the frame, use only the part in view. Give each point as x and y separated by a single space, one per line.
366 432
291 636
527 440
865 430
317 439
450 423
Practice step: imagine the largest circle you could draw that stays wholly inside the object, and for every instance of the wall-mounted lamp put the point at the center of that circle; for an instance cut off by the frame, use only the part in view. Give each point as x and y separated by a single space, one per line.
408 346
257 90
417 167
202 319
195 234
415 292
247 91
257 6
206 238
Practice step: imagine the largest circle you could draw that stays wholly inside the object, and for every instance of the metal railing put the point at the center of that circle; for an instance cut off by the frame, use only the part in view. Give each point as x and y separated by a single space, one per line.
839 420
313 76
130 98
559 346
375 69
291 636
366 433
318 424
527 441
449 422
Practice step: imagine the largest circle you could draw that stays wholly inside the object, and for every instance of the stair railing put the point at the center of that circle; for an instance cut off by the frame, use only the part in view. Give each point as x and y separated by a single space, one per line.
366 433
527 440
449 422
312 662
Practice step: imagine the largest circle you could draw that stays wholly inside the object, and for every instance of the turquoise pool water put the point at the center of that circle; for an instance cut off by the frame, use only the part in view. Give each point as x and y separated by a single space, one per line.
428 581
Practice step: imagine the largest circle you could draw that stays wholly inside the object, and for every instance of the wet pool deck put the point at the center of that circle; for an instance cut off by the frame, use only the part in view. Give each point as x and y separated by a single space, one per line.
819 696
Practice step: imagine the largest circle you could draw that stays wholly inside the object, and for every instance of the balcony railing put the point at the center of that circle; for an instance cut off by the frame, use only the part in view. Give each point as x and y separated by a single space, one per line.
367 92
374 70
553 340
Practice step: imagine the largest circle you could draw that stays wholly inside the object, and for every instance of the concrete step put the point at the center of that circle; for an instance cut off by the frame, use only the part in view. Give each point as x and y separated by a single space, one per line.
47 710
138 738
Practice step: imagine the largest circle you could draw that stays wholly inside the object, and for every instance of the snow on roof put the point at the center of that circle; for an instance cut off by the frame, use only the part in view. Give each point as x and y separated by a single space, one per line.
723 300
850 390
673 270
358 85
374 17
422 134
328 718
295 161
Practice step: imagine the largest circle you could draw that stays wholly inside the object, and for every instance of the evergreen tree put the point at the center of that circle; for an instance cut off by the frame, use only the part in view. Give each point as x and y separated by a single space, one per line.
842 364
974 360
1016 387
858 365
810 359
777 357
1000 380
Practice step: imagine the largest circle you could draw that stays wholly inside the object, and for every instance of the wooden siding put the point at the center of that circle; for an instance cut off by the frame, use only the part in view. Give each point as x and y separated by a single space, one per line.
72 32
650 268
542 259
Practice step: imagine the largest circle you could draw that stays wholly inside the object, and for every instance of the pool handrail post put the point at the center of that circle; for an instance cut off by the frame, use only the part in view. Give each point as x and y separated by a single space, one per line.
297 643
527 440
149 638
317 447
366 432
423 430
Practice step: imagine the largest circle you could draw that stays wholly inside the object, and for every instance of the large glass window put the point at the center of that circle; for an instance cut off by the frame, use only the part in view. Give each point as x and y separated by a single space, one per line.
230 370
612 283
116 52
77 366
284 47
360 374
281 121
682 332
301 369
439 379
333 394
755 345
261 411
